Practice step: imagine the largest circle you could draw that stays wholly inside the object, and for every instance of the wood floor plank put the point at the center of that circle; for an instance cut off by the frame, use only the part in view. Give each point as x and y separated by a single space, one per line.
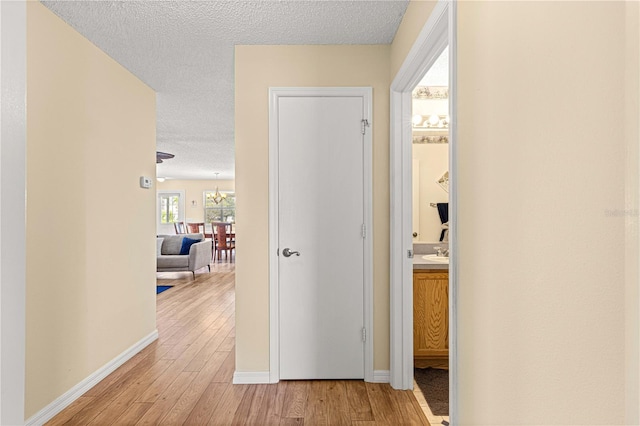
288 421
183 407
206 405
225 411
133 413
275 401
225 373
244 408
227 344
257 414
70 411
168 399
148 356
411 413
315 412
360 407
383 407
185 377
93 409
121 402
295 399
338 408
210 348
180 363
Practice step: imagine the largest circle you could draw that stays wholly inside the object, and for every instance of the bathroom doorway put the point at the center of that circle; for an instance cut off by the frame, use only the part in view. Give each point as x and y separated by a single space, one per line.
430 220
437 35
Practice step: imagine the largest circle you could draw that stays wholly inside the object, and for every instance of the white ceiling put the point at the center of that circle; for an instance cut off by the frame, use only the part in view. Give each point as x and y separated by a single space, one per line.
184 51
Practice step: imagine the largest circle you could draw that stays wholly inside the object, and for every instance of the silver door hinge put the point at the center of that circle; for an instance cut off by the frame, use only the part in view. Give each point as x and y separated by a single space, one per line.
363 231
364 334
410 254
364 123
278 252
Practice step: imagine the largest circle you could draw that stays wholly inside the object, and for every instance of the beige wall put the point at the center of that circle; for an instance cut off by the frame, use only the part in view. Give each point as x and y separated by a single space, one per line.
434 161
632 189
299 66
542 212
90 243
194 190
413 21
545 328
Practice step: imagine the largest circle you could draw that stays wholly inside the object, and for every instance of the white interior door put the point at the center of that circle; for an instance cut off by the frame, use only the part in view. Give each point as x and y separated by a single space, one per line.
321 217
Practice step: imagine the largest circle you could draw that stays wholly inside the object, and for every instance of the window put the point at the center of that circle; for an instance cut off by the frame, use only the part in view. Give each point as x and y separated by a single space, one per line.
169 208
224 211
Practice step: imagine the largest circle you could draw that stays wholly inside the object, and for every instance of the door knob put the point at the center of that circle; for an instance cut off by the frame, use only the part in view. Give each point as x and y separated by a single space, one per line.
415 234
287 252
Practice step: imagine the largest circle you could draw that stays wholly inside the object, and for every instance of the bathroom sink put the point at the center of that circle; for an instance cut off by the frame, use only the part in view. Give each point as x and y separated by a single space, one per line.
436 258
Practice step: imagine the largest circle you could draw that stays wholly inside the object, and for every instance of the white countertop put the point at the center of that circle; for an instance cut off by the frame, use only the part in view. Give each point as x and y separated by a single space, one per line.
420 263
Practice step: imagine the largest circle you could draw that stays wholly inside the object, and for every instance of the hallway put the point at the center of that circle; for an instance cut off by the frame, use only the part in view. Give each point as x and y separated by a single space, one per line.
185 376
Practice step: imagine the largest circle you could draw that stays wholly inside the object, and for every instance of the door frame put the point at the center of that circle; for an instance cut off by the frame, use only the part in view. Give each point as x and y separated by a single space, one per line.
439 30
275 93
13 250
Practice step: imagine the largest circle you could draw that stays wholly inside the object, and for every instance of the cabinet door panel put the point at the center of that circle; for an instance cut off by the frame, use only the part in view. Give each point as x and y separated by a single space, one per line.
431 314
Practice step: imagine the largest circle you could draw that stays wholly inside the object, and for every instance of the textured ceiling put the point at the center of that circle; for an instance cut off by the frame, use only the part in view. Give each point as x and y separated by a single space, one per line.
184 51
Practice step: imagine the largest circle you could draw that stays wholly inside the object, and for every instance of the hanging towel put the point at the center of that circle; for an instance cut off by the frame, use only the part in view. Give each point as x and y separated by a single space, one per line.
443 211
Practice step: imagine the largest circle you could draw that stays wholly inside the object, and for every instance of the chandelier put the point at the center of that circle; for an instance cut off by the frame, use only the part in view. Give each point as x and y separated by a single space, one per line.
218 197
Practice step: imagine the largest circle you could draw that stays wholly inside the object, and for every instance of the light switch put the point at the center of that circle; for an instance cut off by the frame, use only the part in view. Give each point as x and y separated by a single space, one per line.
145 182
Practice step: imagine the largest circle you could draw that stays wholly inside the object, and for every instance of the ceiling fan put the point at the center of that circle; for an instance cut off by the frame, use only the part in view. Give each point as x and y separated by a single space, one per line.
163 156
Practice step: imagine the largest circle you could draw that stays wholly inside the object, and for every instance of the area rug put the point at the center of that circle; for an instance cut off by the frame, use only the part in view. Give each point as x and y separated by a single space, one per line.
161 288
434 384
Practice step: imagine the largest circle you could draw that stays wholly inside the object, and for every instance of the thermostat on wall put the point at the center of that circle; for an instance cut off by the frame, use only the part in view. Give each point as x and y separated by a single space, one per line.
145 182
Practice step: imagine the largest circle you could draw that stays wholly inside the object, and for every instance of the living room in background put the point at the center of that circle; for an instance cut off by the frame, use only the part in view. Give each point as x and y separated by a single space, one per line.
170 209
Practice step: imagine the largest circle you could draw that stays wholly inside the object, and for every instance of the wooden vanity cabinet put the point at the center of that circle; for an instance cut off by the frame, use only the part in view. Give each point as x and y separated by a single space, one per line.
431 318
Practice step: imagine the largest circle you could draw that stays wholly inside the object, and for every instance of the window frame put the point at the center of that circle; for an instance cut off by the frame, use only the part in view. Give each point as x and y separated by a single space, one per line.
220 207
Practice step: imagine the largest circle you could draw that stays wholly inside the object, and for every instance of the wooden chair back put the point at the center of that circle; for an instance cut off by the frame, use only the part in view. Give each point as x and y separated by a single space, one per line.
196 227
223 238
222 231
179 227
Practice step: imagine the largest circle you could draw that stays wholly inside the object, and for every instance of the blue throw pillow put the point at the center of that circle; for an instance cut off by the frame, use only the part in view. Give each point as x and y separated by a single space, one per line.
186 245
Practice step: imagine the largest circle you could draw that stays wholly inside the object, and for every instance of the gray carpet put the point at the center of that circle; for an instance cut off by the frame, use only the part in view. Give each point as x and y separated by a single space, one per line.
434 384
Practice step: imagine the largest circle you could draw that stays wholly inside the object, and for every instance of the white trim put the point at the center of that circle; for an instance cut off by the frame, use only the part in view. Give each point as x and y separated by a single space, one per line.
13 131
453 217
438 31
251 377
381 376
274 275
425 50
63 401
274 93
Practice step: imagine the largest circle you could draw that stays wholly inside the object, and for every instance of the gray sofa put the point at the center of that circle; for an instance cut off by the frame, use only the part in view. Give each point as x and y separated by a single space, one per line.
169 258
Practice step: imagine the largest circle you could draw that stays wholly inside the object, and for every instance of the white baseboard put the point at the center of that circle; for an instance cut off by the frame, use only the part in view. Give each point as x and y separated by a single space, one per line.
260 377
250 377
62 402
381 376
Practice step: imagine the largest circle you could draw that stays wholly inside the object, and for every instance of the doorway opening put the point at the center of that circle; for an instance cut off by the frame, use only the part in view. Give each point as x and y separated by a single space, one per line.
437 34
430 220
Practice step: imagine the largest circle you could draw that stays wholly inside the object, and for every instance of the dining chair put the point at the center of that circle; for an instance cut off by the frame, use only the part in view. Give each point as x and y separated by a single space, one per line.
196 227
179 227
224 239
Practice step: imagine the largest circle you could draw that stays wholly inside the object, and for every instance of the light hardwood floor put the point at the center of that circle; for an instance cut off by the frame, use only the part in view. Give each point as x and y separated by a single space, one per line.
185 376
